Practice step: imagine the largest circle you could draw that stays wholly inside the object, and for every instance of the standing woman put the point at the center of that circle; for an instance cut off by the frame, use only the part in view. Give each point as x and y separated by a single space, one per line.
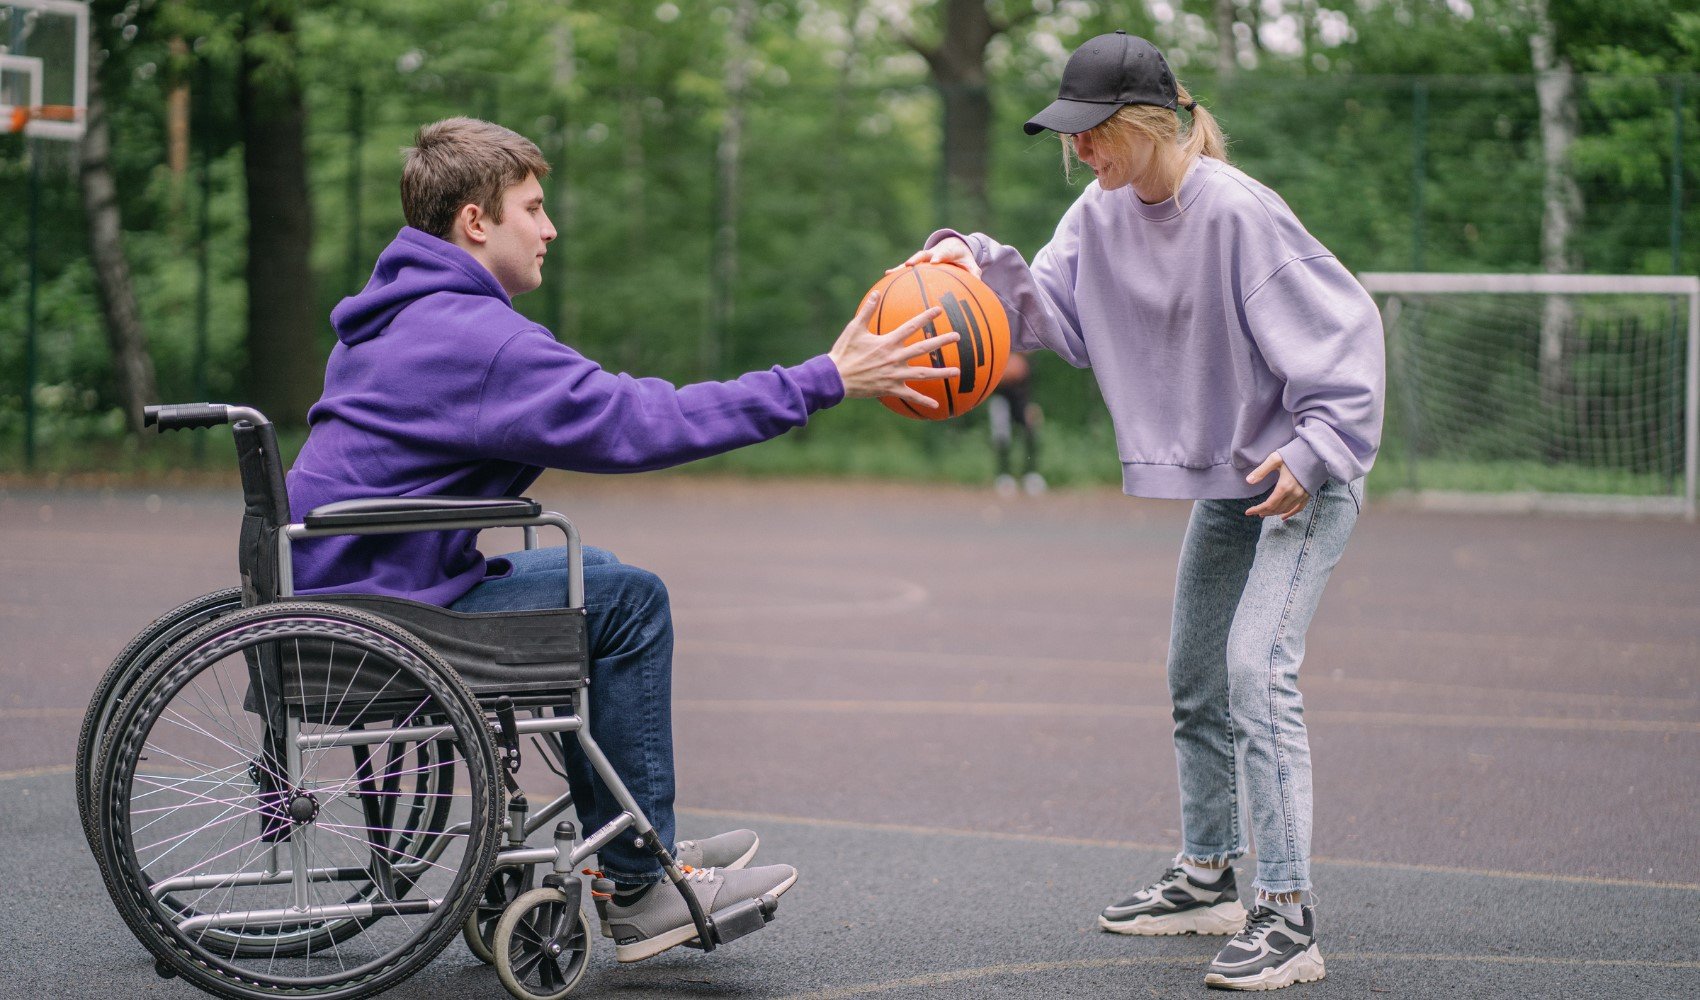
1242 366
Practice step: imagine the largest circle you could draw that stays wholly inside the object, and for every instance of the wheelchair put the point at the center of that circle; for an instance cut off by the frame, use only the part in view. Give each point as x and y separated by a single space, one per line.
294 798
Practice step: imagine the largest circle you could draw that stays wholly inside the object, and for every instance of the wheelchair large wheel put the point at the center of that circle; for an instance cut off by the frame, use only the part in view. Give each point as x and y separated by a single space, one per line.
129 665
279 808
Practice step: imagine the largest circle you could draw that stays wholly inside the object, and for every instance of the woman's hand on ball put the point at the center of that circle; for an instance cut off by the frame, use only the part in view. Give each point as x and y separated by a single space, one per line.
877 364
949 250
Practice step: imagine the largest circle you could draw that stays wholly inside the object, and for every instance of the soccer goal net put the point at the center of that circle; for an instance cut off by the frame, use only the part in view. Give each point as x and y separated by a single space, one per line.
1542 392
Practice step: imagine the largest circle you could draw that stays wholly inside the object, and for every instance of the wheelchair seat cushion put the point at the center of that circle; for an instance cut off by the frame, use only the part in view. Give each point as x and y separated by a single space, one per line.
525 655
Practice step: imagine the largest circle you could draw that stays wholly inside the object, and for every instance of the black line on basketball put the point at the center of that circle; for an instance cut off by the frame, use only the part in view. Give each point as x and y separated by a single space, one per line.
968 348
937 355
991 343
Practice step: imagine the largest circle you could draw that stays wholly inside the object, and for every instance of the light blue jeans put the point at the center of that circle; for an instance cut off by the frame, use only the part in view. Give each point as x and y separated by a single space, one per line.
1245 594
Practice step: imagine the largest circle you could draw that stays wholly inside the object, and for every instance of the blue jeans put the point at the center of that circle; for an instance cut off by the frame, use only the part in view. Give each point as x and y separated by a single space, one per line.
630 627
1245 594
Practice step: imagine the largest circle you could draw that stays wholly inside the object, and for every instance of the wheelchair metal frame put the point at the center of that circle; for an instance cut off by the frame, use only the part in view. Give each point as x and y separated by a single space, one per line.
287 859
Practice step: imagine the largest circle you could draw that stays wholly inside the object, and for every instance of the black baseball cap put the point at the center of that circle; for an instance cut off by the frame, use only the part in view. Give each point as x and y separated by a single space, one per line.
1103 75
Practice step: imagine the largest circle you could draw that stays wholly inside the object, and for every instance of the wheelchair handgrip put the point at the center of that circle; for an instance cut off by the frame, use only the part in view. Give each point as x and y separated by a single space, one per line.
181 416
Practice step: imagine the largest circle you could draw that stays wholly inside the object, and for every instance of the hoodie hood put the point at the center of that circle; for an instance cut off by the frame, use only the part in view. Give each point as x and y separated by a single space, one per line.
414 265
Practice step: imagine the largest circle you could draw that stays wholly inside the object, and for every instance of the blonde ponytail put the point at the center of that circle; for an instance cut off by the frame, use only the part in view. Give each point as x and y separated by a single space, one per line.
1204 137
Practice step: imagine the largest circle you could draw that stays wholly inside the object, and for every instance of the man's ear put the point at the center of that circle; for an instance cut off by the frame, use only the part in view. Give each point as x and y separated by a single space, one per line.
472 224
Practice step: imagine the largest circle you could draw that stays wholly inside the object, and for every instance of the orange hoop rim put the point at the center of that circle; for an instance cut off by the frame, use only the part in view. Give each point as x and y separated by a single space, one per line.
21 115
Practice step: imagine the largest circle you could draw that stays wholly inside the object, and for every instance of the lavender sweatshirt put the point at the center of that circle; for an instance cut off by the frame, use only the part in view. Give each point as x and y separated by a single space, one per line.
1219 331
437 387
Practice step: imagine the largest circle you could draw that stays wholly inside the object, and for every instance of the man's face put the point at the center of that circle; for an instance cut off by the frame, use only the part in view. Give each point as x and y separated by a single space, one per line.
514 248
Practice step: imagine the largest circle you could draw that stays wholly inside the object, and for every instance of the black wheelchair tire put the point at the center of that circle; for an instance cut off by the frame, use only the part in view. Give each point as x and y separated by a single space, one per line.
532 924
126 737
128 667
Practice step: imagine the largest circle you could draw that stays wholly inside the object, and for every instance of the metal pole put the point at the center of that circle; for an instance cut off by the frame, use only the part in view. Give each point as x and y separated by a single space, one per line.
1693 429
34 156
1419 150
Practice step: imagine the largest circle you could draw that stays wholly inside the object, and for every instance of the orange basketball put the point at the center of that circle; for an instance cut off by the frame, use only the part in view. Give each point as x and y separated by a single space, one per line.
971 310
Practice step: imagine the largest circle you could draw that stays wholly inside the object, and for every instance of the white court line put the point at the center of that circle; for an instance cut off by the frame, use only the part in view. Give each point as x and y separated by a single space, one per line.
907 597
37 772
1078 710
41 713
941 658
1131 845
1090 964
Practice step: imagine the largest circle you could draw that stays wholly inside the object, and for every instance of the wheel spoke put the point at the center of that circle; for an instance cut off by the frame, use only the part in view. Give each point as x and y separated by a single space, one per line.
551 974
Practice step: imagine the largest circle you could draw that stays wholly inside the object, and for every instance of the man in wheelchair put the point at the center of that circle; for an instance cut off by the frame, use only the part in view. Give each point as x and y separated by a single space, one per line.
438 387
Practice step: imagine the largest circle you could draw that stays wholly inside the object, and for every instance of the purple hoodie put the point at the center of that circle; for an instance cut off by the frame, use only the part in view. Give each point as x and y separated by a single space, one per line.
439 388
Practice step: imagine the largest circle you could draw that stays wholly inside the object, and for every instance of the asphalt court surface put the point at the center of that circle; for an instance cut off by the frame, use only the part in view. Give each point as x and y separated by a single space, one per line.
949 712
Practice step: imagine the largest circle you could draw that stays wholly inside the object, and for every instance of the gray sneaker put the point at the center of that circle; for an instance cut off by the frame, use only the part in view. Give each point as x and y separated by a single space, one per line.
1269 953
660 919
731 851
1175 904
728 850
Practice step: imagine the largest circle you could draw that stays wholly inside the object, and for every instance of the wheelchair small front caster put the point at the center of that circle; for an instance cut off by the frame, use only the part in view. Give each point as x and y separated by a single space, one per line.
542 944
505 886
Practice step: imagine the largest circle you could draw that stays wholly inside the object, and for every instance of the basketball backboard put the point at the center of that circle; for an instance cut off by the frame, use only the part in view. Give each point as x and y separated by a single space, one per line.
44 68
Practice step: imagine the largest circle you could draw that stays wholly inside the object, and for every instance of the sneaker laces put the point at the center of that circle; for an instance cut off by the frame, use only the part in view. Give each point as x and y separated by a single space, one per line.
698 874
1258 923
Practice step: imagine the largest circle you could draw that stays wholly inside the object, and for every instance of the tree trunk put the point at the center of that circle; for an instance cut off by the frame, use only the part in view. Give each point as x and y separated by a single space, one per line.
177 122
285 362
132 367
631 147
717 333
563 312
1227 46
958 65
1555 89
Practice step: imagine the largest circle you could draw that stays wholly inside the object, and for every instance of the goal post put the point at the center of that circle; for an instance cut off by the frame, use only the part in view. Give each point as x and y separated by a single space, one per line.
1543 392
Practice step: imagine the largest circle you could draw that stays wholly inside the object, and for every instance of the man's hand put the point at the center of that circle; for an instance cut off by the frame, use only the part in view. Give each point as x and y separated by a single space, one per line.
1289 497
877 364
948 251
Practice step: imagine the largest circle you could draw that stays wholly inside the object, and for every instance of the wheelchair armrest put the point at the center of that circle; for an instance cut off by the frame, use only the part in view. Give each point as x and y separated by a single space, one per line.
368 512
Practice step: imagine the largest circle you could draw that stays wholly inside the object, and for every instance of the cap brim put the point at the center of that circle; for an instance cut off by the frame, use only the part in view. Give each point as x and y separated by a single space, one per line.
1070 117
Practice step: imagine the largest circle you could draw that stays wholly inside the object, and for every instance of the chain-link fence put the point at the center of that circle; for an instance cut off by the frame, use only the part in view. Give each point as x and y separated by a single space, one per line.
1424 173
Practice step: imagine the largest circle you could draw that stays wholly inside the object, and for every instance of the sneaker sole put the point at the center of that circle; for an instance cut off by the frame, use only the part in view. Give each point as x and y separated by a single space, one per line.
1223 918
637 951
1305 967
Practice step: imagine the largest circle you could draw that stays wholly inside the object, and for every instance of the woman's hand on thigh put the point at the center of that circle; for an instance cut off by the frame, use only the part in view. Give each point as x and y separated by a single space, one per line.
1288 497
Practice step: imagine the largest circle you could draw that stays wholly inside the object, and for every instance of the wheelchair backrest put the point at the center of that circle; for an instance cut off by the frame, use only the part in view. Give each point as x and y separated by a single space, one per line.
265 509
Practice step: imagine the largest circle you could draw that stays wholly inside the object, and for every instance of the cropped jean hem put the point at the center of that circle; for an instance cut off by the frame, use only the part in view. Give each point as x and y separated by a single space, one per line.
1274 879
1205 858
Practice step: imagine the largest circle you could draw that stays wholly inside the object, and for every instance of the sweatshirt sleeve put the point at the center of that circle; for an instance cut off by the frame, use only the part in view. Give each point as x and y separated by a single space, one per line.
1320 333
1039 299
543 403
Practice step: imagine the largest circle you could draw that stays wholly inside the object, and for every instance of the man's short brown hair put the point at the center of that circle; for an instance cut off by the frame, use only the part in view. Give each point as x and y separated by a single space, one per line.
463 161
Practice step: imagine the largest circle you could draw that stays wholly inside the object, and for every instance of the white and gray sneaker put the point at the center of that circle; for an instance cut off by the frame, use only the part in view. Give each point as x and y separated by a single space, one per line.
659 919
1175 904
731 850
1269 953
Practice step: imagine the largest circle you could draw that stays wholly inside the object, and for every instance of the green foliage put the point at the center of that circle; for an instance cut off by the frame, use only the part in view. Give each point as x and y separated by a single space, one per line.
839 174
